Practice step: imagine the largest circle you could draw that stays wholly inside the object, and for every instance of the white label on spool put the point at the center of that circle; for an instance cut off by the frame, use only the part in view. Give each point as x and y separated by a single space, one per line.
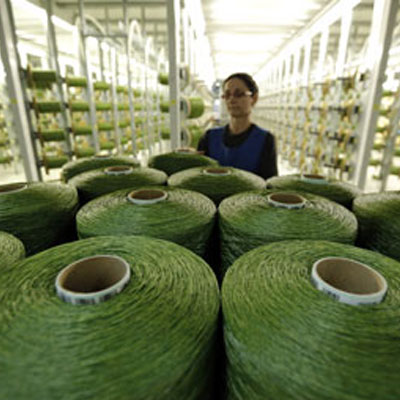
93 297
347 297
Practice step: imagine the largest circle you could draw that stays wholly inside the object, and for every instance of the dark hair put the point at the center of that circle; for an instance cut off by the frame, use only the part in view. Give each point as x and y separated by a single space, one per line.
246 79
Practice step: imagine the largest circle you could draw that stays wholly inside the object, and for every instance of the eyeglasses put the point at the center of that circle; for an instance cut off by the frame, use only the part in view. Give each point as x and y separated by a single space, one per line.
236 94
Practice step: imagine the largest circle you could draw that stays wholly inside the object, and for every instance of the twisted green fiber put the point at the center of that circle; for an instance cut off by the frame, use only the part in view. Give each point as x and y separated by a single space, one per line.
41 216
153 341
185 217
174 162
216 187
247 220
378 216
11 250
95 183
87 164
337 191
286 340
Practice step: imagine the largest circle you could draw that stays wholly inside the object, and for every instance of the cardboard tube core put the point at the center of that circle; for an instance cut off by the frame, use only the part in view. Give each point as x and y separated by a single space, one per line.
286 200
217 171
118 170
147 196
92 280
349 281
186 150
314 178
12 187
102 156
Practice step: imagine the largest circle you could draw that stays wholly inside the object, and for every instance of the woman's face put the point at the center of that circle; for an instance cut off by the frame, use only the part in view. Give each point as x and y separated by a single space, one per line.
238 98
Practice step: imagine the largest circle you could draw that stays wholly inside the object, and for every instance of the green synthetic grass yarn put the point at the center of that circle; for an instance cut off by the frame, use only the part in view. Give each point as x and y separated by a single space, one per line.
248 220
184 217
287 340
87 164
41 215
176 161
97 182
11 250
154 340
378 217
337 191
214 185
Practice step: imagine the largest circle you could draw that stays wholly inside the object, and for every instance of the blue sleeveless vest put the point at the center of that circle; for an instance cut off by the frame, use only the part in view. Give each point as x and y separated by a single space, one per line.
246 156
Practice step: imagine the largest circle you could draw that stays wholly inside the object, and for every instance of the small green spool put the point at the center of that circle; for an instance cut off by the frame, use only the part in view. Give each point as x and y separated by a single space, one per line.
79 106
164 106
107 145
163 78
53 162
217 183
83 152
285 339
154 340
92 184
123 124
76 81
41 76
41 215
180 160
105 126
11 250
337 191
101 106
52 135
178 215
47 107
87 164
101 86
248 220
82 130
194 107
378 216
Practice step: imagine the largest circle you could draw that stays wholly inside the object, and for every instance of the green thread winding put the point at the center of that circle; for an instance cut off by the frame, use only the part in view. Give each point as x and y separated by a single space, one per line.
286 340
217 187
87 164
340 192
378 217
154 340
175 161
95 183
247 220
40 215
185 217
11 250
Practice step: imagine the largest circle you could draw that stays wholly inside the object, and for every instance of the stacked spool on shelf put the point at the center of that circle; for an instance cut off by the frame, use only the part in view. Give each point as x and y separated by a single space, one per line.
180 160
178 215
192 107
87 164
11 250
41 215
137 315
378 216
248 220
95 183
337 191
285 339
217 183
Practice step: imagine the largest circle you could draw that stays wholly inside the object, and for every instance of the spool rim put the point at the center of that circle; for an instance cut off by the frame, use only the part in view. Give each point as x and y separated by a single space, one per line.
118 170
217 171
372 286
96 296
147 196
101 156
314 178
186 150
290 201
12 187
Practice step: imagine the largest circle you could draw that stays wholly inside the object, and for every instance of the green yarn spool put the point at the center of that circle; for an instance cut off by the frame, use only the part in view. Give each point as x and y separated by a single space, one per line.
5 159
165 133
107 145
82 130
154 340
178 215
123 106
163 78
37 75
340 192
180 160
394 171
196 108
122 89
76 81
378 216
87 164
287 340
92 184
101 86
41 215
79 106
52 162
217 183
138 107
82 152
123 124
11 250
164 106
52 135
105 126
248 220
101 106
47 107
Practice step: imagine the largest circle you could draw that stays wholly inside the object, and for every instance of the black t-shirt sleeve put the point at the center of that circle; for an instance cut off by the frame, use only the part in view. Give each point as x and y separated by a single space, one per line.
203 144
268 160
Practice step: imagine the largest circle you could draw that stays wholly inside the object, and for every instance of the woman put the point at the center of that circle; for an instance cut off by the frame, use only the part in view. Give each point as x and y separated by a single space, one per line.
241 144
